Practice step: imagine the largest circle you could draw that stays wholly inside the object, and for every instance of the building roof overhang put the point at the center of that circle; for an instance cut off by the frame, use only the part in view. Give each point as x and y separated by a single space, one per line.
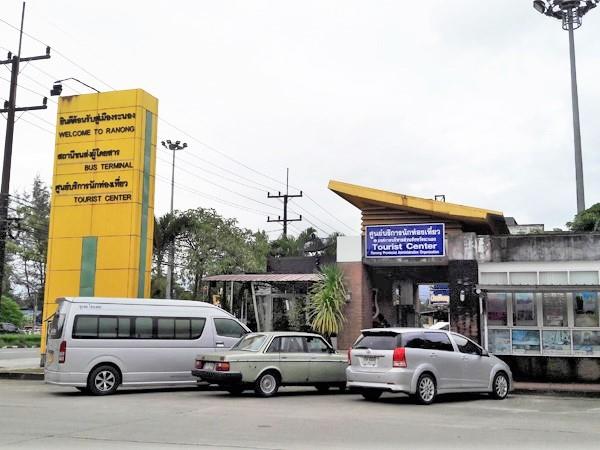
486 220
266 277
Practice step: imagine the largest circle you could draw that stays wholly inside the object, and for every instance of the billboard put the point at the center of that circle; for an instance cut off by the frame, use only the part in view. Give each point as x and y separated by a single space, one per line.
405 241
102 204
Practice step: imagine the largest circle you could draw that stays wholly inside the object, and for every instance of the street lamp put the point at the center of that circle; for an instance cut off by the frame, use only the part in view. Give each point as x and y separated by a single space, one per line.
173 146
57 86
570 12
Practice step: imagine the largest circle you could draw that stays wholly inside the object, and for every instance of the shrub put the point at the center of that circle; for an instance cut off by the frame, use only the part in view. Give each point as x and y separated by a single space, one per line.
10 312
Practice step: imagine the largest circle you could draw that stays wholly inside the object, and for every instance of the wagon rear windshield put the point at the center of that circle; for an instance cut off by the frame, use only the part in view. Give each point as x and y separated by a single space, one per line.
378 341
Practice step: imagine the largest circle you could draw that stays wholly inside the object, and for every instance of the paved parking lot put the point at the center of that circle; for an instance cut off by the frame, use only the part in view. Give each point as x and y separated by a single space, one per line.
33 415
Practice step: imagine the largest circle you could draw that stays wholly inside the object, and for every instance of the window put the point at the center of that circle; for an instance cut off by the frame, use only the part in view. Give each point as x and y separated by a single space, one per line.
523 278
438 341
275 346
583 277
250 342
525 341
553 278
497 309
229 328
555 309
493 278
165 328
586 342
143 328
466 346
197 328
413 340
316 345
585 309
378 341
56 326
292 344
182 328
499 341
85 327
107 327
124 329
524 309
556 342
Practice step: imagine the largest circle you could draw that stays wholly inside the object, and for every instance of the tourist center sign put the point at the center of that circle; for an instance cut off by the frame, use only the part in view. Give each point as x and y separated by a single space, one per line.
422 240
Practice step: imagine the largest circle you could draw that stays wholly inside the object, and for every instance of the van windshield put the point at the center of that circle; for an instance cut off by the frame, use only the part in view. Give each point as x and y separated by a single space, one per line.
250 343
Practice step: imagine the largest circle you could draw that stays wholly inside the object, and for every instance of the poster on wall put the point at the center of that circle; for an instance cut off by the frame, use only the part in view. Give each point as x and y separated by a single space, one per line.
525 342
423 240
556 342
586 342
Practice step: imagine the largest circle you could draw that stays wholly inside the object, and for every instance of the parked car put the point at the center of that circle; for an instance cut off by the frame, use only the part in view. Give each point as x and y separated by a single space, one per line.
7 327
265 361
99 344
423 363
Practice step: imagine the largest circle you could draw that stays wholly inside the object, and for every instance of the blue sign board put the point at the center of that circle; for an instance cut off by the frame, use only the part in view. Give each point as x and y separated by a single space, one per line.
422 240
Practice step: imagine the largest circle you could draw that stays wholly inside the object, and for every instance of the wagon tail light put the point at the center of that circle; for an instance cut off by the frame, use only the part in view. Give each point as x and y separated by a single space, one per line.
62 352
399 357
349 357
222 367
199 364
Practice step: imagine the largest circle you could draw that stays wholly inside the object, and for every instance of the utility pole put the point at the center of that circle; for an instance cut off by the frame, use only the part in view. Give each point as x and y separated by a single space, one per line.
11 108
173 146
285 198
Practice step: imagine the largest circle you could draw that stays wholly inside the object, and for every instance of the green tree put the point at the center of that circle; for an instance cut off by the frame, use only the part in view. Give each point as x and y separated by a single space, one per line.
327 300
587 220
10 312
29 240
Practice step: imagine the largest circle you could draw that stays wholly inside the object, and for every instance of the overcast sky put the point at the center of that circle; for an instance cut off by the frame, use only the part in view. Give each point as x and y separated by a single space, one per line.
466 98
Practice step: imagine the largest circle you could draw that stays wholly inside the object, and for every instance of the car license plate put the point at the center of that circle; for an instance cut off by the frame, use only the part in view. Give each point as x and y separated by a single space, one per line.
209 366
368 361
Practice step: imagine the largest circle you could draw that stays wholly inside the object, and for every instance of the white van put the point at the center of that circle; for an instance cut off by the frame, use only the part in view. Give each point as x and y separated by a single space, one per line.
98 344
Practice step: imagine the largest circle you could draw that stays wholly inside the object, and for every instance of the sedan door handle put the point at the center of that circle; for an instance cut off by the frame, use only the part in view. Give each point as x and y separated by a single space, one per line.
433 355
284 357
220 344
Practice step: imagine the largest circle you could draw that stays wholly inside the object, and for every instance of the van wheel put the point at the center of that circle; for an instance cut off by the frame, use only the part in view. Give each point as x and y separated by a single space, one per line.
371 394
500 386
104 380
426 389
266 385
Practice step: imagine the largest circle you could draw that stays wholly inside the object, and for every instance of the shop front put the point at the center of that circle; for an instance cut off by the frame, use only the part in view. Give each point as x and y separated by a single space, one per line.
528 296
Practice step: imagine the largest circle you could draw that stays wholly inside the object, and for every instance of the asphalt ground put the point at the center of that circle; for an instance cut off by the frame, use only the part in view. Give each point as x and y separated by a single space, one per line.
35 415
19 358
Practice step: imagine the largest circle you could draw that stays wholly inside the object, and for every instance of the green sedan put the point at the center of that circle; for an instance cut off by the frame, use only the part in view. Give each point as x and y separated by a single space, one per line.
265 361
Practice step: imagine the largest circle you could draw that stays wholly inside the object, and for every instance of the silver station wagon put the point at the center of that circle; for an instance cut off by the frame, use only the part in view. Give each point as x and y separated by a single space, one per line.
265 361
423 363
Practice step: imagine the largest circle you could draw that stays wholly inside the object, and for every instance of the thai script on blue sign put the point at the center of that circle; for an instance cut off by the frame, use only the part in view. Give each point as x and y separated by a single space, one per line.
405 241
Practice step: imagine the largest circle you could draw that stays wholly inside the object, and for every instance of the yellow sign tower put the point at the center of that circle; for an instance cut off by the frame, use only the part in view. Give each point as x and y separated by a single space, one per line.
102 205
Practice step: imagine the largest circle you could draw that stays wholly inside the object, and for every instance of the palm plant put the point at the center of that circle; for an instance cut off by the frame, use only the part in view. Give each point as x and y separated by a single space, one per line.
327 299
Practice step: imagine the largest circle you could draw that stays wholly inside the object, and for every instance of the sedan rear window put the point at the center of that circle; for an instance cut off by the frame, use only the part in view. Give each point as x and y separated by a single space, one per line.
378 341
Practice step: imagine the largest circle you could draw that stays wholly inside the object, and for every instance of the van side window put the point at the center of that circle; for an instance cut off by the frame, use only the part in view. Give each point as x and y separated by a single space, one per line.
197 327
85 327
229 328
413 340
143 328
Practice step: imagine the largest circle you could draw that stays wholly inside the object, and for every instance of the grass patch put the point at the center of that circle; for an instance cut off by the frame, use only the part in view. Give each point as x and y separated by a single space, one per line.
20 340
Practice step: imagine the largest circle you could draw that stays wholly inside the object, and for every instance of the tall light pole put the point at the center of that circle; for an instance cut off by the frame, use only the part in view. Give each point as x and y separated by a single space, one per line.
173 146
570 12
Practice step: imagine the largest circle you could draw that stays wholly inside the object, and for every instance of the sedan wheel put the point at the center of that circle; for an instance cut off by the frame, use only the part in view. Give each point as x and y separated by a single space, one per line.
500 388
426 389
104 380
266 385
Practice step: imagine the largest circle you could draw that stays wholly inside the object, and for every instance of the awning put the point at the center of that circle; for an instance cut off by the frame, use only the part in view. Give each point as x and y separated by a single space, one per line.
266 277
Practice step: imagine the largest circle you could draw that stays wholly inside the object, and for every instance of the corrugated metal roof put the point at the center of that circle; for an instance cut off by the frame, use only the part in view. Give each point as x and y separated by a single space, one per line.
266 277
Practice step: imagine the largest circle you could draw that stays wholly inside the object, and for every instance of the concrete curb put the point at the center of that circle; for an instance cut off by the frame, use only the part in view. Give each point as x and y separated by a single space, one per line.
21 375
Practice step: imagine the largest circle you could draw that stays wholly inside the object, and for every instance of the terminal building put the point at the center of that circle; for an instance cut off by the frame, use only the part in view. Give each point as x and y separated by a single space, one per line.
527 295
